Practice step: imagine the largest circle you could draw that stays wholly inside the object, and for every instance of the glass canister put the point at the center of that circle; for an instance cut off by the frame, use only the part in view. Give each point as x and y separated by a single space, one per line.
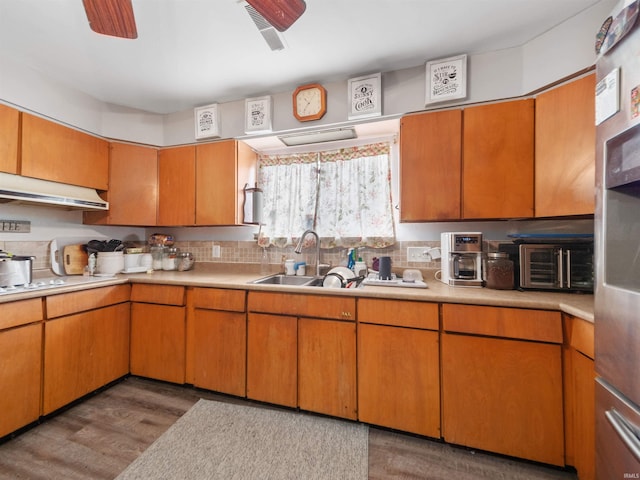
157 252
498 271
170 258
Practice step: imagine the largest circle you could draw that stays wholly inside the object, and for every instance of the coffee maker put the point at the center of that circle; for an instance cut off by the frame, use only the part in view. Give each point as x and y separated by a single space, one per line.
461 258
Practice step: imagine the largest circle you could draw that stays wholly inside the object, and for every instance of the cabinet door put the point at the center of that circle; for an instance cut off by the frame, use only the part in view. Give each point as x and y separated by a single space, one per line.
272 360
220 340
83 352
504 396
497 179
565 149
61 154
222 171
20 376
9 131
430 166
327 367
158 342
177 186
398 378
133 187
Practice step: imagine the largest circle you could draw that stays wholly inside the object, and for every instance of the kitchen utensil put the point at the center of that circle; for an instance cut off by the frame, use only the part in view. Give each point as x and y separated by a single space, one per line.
15 270
56 251
74 259
96 246
411 275
384 269
337 277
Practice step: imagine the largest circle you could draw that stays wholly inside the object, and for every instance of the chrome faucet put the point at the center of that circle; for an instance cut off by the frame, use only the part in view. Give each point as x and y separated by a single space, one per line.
298 248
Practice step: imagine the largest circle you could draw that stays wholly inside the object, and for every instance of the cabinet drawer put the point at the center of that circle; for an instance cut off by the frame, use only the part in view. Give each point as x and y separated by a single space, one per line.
539 325
398 313
219 299
68 303
579 334
20 313
318 306
161 294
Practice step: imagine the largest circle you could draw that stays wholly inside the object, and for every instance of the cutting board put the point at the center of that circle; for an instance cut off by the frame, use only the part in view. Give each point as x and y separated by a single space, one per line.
56 250
74 259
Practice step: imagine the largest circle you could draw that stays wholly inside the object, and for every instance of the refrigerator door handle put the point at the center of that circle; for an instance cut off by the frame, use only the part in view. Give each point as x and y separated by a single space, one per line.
625 430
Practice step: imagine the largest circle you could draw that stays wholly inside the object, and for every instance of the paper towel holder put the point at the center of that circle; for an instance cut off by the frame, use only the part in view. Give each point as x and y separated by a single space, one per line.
252 205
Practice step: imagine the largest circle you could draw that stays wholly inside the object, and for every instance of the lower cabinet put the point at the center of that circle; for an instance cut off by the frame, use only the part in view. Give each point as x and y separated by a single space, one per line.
86 343
579 394
158 332
218 346
301 352
398 365
21 360
500 392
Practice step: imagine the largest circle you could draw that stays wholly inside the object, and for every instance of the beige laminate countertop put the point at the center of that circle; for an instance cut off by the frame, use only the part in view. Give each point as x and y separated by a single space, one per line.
580 305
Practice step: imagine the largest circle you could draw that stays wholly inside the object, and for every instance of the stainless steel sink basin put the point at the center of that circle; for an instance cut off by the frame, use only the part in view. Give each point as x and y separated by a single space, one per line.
295 280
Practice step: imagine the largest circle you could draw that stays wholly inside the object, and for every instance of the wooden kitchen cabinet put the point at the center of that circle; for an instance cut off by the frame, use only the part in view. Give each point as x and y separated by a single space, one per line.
301 352
500 392
498 160
158 332
217 341
86 343
9 139
177 186
222 170
431 166
579 395
52 151
565 149
398 365
133 187
21 360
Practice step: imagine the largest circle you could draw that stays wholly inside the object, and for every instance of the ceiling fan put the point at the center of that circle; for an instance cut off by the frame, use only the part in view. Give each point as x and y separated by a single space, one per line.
115 17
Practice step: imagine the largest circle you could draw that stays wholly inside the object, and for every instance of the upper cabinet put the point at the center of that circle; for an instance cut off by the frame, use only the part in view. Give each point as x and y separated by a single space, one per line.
222 171
203 184
475 163
133 187
430 166
497 173
9 135
51 151
565 149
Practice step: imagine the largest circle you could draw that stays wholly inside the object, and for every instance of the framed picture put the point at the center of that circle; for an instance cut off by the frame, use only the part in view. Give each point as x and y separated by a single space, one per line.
257 116
207 121
446 79
365 96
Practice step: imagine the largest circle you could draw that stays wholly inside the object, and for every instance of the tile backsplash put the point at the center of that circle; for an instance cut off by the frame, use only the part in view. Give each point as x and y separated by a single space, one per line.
247 252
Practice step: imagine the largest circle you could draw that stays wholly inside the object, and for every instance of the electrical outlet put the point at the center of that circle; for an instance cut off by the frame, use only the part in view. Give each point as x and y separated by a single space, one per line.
215 251
422 254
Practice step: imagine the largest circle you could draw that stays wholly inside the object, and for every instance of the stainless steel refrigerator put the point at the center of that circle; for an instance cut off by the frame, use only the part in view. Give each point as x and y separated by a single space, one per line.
617 240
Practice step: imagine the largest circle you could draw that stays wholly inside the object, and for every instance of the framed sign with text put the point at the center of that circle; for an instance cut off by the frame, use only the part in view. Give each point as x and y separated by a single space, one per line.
207 120
446 79
257 115
365 96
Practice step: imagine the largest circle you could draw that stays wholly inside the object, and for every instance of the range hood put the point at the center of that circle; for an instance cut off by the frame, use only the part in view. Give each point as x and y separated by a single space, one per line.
19 189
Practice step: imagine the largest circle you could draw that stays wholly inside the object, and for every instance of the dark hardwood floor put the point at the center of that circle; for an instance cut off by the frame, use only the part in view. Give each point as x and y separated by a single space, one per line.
102 435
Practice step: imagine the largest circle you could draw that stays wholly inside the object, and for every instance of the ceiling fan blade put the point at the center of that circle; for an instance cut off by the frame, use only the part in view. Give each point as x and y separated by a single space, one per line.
111 17
279 13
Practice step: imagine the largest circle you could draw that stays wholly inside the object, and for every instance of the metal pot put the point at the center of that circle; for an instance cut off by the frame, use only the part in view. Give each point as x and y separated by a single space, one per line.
15 270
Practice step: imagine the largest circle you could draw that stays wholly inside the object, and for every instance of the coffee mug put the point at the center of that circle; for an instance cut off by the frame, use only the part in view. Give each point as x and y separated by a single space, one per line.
384 268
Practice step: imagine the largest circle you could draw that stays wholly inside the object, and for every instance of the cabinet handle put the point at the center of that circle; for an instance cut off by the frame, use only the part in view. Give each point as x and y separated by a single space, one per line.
627 432
346 314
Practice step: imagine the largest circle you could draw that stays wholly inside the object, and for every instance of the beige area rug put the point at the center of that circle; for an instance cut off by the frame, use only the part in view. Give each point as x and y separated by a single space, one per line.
216 440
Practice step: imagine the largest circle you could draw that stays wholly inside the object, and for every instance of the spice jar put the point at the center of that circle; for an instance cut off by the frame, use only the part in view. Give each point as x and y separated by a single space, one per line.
498 271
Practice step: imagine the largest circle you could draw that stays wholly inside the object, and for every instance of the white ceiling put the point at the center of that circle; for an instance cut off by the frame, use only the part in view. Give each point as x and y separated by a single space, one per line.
195 52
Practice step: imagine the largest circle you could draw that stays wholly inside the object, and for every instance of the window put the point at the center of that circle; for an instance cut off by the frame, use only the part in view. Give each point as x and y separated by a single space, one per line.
344 195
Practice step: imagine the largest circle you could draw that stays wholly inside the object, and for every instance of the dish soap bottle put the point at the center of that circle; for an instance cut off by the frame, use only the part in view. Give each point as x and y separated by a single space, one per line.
360 268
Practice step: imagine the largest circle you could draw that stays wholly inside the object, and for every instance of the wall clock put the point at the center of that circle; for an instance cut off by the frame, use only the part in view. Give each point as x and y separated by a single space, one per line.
309 102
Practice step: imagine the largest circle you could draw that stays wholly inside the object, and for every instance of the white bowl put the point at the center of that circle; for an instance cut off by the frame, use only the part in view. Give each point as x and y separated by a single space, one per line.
109 262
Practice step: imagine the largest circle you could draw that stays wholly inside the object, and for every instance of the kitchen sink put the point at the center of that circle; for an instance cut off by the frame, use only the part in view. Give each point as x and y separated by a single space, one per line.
291 280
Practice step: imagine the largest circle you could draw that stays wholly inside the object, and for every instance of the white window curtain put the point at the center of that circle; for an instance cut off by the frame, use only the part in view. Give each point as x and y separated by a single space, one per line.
344 195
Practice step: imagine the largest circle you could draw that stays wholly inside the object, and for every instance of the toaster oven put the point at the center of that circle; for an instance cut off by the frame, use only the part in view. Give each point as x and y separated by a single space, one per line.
556 267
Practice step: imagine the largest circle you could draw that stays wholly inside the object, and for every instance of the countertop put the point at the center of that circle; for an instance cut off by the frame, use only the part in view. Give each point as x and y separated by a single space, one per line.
580 305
